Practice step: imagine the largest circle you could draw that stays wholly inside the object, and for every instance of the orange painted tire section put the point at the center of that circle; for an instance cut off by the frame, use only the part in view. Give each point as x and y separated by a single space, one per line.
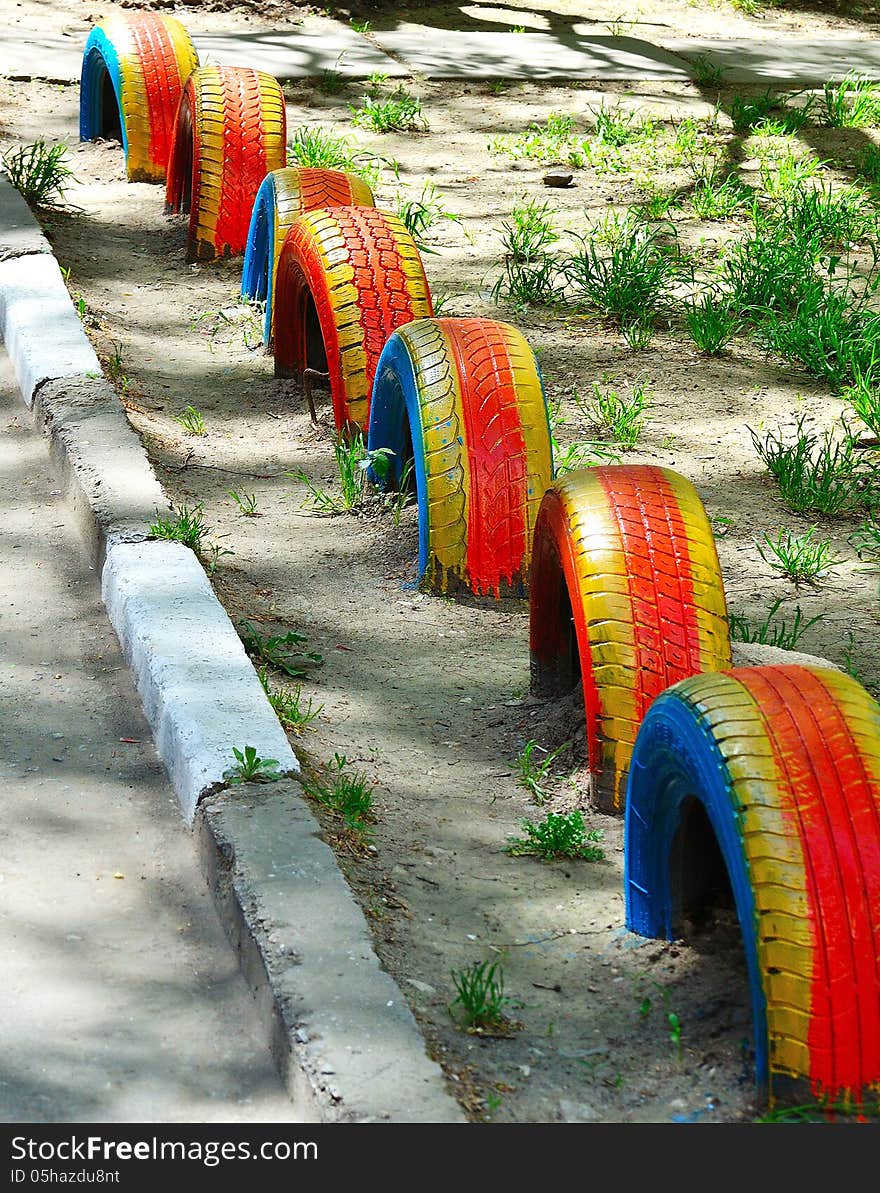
347 278
627 596
230 132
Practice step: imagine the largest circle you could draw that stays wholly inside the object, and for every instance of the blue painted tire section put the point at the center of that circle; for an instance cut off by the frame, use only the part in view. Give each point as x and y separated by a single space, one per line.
99 59
259 253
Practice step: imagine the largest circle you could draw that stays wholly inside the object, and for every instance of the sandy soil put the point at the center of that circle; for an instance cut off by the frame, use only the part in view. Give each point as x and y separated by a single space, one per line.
427 695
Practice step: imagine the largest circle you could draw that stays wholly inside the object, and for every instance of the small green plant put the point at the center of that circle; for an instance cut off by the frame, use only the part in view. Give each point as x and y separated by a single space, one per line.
865 539
769 631
782 175
375 82
184 525
192 421
40 173
361 26
479 993
628 281
250 768
712 322
533 773
657 204
282 651
313 146
354 464
291 708
800 557
348 796
674 1032
853 102
868 165
529 267
706 72
553 141
558 836
863 395
818 475
400 112
623 415
746 111
424 213
114 365
333 82
246 502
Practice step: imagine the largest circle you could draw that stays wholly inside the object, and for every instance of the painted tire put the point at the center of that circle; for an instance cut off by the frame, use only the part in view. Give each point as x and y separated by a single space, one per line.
134 70
282 198
463 399
230 132
626 595
784 761
347 278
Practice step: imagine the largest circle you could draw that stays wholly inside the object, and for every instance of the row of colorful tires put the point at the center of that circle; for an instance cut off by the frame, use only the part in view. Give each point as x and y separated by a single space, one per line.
765 779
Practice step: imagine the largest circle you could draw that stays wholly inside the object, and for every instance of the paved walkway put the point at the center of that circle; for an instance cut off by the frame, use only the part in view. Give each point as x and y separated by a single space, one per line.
323 44
121 999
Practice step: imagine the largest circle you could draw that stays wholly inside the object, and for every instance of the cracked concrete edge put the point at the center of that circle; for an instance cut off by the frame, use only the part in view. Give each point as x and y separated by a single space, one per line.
202 696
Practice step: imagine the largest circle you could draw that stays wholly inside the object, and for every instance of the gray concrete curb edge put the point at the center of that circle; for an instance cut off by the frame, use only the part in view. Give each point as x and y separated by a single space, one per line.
347 1044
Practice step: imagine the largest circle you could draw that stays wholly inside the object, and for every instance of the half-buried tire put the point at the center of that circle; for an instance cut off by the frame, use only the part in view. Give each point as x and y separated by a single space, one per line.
463 399
781 766
626 596
347 278
230 132
283 196
134 70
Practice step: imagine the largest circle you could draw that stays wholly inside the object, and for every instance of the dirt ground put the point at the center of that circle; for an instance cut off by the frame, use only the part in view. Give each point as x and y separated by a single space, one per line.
428 695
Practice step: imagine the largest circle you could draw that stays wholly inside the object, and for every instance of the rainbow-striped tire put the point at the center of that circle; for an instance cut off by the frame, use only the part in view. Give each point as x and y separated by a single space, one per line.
230 132
782 763
347 278
282 198
626 595
463 399
134 70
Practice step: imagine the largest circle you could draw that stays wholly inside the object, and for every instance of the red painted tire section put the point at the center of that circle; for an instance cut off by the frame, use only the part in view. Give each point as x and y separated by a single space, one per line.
230 132
627 596
347 278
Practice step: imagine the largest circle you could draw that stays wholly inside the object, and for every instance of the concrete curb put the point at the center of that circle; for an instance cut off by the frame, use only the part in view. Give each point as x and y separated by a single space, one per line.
342 1033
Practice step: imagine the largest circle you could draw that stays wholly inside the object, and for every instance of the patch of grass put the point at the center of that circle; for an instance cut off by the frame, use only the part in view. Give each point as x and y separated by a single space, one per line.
747 110
712 321
529 272
822 475
291 708
192 421
348 796
558 836
706 72
868 165
617 127
313 146
823 333
249 767
853 102
40 173
780 176
422 214
657 204
835 219
800 557
718 195
621 414
282 651
863 393
628 280
767 271
482 1002
770 631
534 773
549 143
400 112
184 525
